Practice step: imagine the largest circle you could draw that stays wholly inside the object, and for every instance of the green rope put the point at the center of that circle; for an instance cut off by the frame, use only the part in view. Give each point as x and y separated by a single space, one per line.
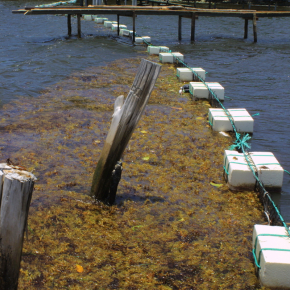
257 261
287 171
257 114
240 143
226 171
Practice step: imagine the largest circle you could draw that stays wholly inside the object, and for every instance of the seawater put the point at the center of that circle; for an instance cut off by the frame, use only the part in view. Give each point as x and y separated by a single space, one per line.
35 54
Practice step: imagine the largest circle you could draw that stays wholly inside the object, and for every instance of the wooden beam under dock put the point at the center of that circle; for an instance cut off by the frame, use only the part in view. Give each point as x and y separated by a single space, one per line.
180 11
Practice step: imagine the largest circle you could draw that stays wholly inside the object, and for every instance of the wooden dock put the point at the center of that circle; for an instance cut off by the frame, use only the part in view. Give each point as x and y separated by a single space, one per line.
133 11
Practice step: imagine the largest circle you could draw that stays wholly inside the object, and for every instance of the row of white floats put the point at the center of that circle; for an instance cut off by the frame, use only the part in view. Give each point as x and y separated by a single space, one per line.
114 26
271 244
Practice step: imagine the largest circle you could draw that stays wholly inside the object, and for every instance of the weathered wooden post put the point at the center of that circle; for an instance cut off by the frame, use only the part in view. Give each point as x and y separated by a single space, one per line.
16 187
125 119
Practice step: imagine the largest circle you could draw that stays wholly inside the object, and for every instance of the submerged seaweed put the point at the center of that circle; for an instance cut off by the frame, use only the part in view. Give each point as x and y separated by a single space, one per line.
171 227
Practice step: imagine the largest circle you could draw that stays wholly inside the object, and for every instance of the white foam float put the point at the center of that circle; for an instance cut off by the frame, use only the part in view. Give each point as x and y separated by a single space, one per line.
170 57
100 20
271 246
108 24
201 91
157 49
219 120
88 17
186 74
115 26
241 177
124 32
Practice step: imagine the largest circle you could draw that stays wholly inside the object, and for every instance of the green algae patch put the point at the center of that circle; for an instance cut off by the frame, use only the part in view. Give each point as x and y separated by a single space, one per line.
175 224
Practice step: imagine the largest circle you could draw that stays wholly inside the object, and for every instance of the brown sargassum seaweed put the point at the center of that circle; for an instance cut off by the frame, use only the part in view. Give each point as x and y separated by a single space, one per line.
169 229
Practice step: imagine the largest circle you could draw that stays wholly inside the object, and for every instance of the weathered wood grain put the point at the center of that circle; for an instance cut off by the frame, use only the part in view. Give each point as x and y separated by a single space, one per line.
124 121
16 193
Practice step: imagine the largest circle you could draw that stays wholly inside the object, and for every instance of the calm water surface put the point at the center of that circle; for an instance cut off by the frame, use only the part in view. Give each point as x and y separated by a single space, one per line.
35 54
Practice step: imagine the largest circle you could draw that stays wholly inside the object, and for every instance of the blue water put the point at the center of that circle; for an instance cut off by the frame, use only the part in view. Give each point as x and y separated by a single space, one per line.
35 54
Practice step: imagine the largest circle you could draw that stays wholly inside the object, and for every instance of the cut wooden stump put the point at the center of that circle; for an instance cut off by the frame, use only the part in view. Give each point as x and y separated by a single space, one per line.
125 119
16 187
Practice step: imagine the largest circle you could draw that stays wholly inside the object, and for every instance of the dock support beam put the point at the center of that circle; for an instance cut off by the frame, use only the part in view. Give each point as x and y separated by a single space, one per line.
255 27
192 27
134 28
79 26
118 21
69 24
246 28
179 27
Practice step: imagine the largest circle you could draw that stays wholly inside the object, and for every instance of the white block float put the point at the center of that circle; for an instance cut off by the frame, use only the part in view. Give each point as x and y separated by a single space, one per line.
141 39
170 57
100 20
115 26
146 38
88 17
178 56
108 24
157 49
240 176
271 246
219 120
201 91
270 171
124 32
186 74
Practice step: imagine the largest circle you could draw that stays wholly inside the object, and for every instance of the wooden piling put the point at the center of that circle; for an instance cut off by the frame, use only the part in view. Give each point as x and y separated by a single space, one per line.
79 25
255 26
134 27
192 38
246 28
179 27
118 21
69 25
15 196
125 119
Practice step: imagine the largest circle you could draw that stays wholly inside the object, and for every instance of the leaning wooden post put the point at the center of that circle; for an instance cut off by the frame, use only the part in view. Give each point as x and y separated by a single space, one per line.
79 26
192 27
255 27
134 28
16 187
179 27
69 24
246 28
125 119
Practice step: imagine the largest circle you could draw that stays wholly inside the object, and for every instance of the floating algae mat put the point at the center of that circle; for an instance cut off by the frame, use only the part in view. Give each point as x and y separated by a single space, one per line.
175 225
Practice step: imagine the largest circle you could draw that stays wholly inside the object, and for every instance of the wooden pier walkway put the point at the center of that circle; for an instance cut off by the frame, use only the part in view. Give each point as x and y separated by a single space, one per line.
133 11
